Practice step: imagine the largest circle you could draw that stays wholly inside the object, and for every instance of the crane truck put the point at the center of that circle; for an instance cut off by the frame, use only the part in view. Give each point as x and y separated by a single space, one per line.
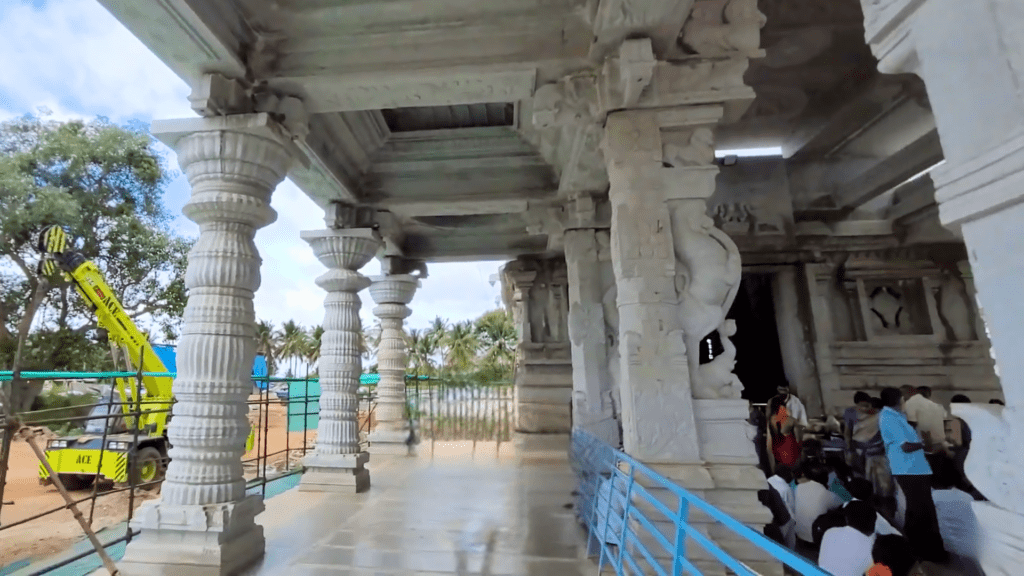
135 447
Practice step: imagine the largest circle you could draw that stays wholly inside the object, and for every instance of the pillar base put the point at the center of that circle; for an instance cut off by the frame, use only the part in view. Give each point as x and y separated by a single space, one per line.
211 540
390 442
336 473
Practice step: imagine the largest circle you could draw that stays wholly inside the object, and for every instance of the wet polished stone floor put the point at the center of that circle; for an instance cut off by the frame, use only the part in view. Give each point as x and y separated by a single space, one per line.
456 511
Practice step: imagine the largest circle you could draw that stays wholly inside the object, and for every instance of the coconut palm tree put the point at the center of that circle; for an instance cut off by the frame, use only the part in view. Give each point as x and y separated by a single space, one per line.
313 342
463 344
293 343
267 343
438 332
422 347
498 338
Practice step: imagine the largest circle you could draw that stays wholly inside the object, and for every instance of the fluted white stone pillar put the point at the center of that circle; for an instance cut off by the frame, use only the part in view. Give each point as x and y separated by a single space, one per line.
391 293
205 524
338 465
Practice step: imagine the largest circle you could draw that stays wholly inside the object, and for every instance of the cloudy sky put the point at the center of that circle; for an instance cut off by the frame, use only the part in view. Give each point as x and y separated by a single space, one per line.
78 61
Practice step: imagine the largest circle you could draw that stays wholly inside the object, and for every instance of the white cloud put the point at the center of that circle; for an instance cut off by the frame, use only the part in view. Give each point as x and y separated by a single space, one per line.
74 58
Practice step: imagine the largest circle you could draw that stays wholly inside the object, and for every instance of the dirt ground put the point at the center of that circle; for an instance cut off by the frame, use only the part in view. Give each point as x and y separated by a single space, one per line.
58 531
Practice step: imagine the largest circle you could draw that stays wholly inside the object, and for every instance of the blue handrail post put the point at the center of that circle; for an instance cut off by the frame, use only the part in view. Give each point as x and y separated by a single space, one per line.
682 519
607 519
628 506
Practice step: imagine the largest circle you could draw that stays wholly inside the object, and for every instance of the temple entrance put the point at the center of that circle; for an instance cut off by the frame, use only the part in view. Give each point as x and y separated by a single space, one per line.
758 354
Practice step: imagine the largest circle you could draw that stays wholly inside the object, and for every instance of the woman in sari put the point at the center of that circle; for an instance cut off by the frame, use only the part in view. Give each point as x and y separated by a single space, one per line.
783 447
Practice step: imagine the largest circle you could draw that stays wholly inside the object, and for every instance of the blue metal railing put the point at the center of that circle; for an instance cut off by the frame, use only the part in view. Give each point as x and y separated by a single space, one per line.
611 502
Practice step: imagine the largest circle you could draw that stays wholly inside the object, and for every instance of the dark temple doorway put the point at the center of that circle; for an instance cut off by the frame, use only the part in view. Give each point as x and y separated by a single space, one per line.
758 354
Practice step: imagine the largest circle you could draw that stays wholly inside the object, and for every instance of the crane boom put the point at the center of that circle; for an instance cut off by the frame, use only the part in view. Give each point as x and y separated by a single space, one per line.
121 330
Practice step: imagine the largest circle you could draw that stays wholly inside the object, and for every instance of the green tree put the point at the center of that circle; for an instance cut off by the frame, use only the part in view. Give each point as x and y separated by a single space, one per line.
498 337
104 184
438 333
462 345
422 349
293 344
267 344
313 343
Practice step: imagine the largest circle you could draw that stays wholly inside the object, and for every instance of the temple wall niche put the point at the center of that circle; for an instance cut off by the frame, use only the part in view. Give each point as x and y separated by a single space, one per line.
538 290
892 321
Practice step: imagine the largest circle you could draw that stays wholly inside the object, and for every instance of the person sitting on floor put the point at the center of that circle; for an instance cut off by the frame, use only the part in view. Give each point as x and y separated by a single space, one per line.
813 499
779 498
846 550
860 489
957 521
891 556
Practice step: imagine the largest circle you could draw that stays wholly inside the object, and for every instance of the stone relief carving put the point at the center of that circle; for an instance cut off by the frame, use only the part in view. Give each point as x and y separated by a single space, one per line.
717 26
571 100
887 309
688 148
217 95
705 75
649 244
626 13
734 217
955 310
424 90
708 275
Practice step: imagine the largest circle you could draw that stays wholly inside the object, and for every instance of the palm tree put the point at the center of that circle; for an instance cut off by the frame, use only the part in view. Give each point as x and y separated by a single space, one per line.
463 344
293 342
498 338
438 332
267 344
313 342
422 347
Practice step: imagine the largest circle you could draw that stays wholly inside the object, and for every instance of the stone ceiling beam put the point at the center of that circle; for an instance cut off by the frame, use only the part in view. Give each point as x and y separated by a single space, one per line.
455 207
828 129
911 198
388 89
193 37
889 173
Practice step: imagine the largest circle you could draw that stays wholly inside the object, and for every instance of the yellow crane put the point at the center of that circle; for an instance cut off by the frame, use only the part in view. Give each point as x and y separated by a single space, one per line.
80 460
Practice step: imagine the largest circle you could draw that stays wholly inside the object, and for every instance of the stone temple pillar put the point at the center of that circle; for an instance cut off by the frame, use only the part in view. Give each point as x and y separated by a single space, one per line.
976 97
338 465
392 292
204 523
587 257
676 277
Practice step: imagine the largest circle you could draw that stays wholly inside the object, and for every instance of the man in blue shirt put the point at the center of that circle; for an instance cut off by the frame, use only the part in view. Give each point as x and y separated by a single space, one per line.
909 467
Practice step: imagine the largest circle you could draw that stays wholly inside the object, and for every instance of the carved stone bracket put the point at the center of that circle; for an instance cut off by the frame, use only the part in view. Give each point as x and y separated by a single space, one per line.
571 100
217 95
340 216
720 27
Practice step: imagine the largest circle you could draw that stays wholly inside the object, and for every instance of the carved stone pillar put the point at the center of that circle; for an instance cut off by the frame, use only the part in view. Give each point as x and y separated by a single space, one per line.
205 523
592 386
676 276
391 293
337 465
978 105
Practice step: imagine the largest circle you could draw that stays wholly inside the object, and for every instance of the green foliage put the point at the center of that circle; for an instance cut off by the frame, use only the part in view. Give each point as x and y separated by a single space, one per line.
61 405
60 349
104 184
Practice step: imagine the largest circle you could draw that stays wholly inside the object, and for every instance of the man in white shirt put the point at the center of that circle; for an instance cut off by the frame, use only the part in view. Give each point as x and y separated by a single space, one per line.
813 498
926 416
846 551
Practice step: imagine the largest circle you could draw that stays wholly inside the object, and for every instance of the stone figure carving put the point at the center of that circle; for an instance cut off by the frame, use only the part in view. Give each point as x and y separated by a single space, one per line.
955 309
735 215
703 75
571 100
717 26
696 148
708 276
611 333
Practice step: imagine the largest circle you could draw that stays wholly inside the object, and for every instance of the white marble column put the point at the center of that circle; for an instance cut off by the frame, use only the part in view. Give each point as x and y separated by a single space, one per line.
204 523
392 292
971 57
338 465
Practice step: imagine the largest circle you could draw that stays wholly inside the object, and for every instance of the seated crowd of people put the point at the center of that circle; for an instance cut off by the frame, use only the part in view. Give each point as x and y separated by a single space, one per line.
894 496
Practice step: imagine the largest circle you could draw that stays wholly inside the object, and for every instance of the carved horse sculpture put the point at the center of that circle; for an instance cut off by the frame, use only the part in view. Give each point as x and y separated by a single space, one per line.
708 274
